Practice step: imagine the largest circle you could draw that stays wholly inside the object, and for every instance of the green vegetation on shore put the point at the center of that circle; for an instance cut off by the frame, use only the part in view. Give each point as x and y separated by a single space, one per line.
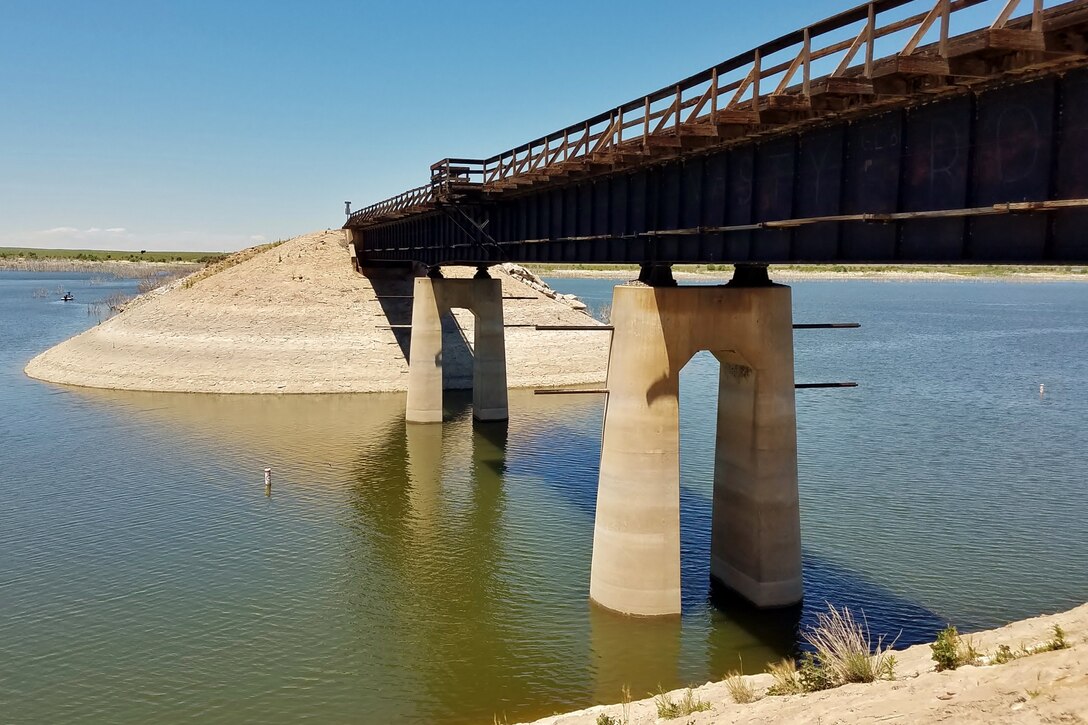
226 261
106 255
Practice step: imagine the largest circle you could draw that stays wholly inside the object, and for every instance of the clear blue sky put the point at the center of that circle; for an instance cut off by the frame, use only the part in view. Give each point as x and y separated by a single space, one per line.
216 125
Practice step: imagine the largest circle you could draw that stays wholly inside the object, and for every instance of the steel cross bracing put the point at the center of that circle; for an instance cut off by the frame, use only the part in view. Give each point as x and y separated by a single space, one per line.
886 132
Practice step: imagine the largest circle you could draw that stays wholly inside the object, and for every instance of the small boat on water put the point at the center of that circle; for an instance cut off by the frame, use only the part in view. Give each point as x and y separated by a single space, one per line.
68 297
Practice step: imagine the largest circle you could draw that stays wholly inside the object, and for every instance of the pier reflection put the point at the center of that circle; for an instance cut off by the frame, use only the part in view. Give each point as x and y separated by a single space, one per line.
431 507
450 562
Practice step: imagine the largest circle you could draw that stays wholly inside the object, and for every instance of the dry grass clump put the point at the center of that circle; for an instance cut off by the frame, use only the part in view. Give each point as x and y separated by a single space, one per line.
786 678
668 709
844 653
740 689
845 650
625 711
1006 654
1058 641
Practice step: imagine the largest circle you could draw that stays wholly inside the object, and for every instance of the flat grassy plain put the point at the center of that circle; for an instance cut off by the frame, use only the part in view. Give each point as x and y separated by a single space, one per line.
107 255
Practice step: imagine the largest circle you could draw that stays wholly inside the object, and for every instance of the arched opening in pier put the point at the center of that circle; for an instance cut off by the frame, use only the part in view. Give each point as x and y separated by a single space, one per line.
458 326
698 401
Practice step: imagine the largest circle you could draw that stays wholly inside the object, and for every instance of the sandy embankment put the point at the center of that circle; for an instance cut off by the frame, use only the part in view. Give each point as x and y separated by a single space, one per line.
1049 687
297 318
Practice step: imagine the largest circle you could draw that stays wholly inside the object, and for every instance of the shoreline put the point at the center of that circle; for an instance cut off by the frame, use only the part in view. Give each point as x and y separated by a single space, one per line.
1046 686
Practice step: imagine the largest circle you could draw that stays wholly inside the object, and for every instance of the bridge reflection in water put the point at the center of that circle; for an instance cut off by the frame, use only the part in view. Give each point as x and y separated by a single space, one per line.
438 572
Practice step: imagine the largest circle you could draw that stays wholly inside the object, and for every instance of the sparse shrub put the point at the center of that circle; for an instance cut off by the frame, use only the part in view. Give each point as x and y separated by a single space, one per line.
603 313
946 649
951 651
604 719
786 679
668 709
813 677
740 689
1004 654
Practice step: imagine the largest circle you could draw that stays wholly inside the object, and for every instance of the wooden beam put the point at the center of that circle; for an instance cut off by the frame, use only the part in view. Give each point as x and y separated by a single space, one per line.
664 141
1003 16
733 117
923 28
789 102
698 129
1002 39
851 52
911 65
798 60
843 87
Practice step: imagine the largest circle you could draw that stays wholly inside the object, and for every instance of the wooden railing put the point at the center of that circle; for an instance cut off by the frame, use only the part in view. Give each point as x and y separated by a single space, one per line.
732 95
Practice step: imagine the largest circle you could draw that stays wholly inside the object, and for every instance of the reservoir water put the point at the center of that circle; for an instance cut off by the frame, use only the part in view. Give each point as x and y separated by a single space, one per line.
439 574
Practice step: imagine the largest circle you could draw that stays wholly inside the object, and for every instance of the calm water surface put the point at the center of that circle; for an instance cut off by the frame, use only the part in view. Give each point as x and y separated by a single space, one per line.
440 573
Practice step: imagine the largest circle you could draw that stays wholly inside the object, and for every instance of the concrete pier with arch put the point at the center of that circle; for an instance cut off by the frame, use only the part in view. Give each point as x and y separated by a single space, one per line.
432 298
756 538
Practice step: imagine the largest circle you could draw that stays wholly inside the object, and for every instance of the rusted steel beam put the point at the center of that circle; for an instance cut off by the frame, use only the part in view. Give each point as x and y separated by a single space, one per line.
553 328
809 386
826 325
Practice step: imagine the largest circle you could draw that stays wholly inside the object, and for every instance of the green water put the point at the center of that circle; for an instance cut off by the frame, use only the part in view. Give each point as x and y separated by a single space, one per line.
440 573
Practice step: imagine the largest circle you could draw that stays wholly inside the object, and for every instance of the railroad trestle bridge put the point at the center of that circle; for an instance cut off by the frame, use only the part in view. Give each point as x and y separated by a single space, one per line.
881 134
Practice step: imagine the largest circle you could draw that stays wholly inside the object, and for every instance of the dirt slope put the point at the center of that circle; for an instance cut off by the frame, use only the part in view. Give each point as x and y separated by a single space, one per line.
296 318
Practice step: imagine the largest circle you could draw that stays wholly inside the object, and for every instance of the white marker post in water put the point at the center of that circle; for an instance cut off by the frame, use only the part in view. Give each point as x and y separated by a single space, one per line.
268 482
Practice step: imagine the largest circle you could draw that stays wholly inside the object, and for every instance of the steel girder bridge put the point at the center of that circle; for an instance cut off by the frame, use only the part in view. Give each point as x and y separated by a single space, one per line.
876 135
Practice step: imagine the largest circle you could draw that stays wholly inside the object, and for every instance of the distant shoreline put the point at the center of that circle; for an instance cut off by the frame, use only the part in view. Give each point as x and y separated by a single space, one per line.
114 267
133 265
116 262
107 255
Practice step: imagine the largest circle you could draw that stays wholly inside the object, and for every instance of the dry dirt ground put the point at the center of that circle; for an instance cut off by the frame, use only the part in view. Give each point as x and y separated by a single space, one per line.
1049 687
297 318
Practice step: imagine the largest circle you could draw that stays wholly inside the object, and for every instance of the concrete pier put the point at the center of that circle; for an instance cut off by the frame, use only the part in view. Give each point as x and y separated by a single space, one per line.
756 541
432 298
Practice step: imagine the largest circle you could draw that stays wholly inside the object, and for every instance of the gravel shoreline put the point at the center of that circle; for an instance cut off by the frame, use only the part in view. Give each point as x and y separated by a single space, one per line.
1037 688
